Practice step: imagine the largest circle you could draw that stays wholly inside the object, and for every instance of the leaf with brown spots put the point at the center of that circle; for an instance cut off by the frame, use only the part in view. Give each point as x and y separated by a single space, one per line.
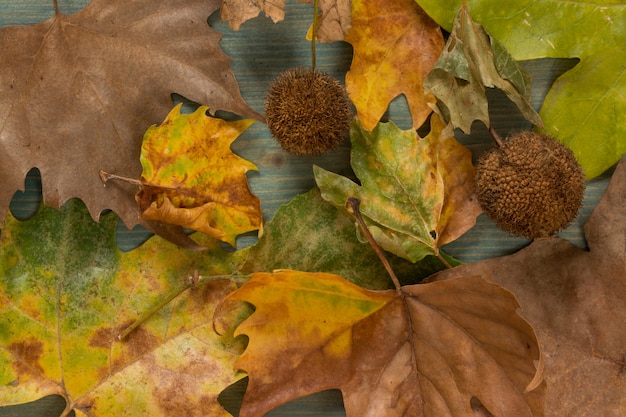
66 293
192 179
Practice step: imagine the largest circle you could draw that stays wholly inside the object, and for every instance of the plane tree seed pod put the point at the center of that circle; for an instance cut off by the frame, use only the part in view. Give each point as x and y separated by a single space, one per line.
308 112
531 185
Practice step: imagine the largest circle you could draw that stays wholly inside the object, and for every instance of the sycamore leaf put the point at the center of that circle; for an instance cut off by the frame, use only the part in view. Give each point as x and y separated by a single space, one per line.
424 350
576 301
191 178
308 234
416 193
78 91
584 108
395 46
471 61
66 292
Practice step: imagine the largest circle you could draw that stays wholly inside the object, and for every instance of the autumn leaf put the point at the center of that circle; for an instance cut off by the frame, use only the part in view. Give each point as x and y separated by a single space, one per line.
576 301
416 193
78 92
427 349
395 46
471 61
308 234
66 292
191 178
587 119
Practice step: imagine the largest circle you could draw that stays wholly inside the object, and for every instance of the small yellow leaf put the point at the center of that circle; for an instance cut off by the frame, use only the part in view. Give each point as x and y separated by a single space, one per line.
191 178
395 46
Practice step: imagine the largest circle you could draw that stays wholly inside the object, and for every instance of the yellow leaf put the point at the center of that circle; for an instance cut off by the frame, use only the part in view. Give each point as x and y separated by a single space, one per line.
191 178
395 46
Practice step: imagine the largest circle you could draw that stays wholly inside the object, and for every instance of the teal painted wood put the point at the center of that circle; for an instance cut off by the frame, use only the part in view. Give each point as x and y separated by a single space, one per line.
260 50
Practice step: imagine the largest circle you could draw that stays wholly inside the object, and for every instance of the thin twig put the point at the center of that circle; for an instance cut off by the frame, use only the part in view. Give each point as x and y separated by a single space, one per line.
106 176
314 33
190 281
495 136
354 204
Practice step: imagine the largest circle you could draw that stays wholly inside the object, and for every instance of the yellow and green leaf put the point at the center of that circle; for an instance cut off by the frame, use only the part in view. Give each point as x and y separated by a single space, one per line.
416 193
67 292
585 107
191 178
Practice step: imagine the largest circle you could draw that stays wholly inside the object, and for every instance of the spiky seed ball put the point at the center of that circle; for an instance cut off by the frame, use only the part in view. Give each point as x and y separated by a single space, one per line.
308 112
531 186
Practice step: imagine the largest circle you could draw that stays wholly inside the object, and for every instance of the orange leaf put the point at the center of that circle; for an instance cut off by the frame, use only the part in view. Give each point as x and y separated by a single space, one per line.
424 350
192 179
395 46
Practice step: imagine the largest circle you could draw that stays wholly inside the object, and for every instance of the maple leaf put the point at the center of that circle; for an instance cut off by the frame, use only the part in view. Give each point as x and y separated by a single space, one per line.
66 292
422 350
78 91
395 46
575 300
416 193
192 179
588 120
471 61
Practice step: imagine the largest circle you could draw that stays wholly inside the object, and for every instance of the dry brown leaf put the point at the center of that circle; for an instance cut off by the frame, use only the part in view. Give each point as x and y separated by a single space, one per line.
426 350
237 12
576 301
78 91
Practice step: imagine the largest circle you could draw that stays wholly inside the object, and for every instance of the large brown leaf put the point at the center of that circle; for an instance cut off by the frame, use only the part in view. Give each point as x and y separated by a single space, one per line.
576 301
78 91
425 350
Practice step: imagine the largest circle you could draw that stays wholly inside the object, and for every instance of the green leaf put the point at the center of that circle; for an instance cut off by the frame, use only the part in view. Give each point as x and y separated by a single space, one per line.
416 193
471 61
585 107
66 292
308 234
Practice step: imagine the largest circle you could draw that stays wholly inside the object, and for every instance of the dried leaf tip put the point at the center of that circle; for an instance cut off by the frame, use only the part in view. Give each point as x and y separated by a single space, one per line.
308 112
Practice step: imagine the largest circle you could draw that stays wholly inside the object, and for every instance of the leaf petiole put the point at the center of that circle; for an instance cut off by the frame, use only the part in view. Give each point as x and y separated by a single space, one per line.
354 204
190 281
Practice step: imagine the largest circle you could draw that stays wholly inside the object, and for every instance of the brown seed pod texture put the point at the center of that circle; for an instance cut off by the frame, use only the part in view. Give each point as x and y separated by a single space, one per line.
308 112
531 186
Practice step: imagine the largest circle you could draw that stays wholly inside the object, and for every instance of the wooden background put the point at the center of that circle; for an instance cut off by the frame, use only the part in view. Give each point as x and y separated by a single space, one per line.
260 50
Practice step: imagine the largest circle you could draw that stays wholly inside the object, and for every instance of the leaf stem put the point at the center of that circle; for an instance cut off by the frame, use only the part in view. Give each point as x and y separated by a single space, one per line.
105 176
56 7
314 33
354 204
495 136
190 281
